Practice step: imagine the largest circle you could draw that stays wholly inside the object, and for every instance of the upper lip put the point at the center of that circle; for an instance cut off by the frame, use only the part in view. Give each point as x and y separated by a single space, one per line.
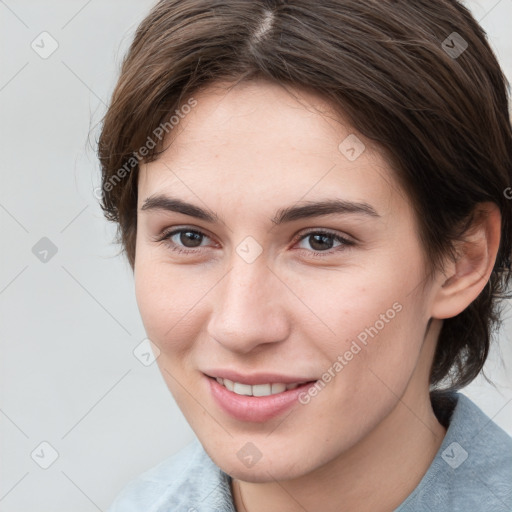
256 378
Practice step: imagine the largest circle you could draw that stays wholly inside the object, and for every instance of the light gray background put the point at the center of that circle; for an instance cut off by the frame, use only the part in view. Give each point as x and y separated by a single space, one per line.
69 326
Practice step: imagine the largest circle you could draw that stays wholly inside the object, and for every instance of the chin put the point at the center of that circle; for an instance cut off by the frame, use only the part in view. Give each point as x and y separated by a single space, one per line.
263 471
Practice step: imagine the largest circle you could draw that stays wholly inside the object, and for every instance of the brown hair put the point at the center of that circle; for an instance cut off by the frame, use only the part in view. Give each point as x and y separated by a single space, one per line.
435 102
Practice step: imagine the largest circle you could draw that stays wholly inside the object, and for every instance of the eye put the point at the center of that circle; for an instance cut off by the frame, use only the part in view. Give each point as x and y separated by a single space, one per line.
190 238
189 241
322 243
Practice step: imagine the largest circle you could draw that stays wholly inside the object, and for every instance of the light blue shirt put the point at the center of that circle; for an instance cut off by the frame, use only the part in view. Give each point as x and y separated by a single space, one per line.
471 472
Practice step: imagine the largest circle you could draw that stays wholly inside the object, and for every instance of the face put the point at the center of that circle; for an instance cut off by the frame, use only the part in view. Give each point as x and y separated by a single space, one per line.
249 286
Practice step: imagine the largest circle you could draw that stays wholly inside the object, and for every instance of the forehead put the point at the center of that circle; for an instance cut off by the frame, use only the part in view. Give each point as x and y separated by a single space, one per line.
258 139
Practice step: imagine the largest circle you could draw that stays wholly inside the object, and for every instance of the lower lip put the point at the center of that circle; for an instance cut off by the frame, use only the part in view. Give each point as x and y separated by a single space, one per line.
256 409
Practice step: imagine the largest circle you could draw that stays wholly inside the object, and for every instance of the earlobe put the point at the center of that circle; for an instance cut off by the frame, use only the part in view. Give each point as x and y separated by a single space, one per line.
465 278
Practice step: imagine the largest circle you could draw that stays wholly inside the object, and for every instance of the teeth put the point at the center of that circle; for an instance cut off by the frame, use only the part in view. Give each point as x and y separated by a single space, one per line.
257 389
261 389
242 389
278 388
228 384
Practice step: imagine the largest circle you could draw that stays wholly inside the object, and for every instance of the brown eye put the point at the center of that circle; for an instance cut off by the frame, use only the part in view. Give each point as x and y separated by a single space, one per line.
183 240
190 239
323 242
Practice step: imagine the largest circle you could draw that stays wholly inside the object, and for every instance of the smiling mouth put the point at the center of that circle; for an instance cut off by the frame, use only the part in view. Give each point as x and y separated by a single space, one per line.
258 402
258 390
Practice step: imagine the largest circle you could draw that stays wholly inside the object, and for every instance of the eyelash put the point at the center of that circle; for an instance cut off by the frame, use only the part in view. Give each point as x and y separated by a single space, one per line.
166 236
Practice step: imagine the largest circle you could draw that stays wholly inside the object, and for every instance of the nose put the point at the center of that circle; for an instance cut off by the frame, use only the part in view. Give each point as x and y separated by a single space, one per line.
249 308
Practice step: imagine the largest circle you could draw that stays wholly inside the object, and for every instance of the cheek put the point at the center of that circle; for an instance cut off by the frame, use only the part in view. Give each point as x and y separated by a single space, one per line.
171 302
157 299
152 300
378 328
361 307
163 309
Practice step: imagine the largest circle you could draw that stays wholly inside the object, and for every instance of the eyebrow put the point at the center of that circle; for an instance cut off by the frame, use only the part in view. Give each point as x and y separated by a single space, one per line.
289 214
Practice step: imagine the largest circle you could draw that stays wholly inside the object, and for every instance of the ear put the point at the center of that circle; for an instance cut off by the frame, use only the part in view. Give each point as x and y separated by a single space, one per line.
464 279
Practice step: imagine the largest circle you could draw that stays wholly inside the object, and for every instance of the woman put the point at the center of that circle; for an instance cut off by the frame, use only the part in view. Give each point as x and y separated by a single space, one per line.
312 197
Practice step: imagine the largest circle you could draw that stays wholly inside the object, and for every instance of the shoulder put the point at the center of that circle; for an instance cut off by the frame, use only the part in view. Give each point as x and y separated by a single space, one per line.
188 481
472 469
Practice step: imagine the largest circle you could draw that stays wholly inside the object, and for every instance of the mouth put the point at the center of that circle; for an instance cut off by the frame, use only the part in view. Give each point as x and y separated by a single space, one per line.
255 403
267 389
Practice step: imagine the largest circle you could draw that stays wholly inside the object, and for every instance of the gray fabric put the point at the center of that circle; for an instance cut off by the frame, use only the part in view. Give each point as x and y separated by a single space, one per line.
472 472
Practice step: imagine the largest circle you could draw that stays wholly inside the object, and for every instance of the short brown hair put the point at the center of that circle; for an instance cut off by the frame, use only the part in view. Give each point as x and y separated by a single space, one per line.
416 77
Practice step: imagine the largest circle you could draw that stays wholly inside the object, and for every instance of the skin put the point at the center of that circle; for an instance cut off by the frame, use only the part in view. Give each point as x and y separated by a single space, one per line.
365 441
